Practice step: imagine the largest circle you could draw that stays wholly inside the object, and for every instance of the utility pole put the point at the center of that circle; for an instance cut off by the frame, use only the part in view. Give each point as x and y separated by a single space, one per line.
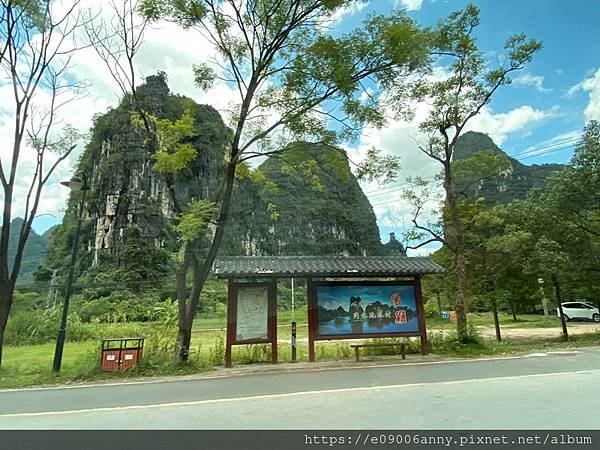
77 183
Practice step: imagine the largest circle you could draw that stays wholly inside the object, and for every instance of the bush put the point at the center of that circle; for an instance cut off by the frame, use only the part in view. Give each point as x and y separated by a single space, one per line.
39 327
449 343
27 301
431 309
119 306
97 310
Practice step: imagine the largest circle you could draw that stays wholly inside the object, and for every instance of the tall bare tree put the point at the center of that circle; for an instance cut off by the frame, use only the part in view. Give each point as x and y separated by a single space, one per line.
37 42
118 40
455 101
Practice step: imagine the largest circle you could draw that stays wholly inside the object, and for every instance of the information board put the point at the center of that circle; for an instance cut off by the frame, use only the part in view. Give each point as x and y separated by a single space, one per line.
345 310
252 313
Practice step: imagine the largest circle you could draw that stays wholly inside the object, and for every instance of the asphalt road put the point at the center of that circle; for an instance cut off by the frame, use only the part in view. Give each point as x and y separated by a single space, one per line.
552 391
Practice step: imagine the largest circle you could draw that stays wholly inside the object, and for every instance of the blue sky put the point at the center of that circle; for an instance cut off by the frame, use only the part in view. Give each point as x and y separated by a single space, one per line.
570 32
548 103
541 113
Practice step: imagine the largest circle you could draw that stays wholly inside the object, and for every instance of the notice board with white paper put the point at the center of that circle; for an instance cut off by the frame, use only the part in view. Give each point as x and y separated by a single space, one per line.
252 321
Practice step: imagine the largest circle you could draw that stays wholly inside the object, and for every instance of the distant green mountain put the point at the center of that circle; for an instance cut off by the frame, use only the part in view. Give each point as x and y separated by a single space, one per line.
35 251
515 184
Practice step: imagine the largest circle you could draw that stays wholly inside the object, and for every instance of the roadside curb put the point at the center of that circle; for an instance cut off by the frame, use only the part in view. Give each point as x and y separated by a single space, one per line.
369 362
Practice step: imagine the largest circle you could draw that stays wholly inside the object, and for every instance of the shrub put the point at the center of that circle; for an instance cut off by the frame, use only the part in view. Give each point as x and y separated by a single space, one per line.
431 309
449 343
27 301
95 310
38 327
119 306
253 353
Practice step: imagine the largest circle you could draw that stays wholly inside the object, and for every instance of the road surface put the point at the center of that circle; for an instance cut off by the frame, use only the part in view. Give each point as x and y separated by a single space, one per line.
551 391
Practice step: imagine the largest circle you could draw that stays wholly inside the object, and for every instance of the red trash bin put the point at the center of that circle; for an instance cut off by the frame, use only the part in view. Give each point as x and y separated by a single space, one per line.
121 353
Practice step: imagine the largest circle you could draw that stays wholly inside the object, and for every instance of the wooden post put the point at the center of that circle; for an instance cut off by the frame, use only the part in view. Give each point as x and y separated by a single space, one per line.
273 319
311 319
231 304
421 316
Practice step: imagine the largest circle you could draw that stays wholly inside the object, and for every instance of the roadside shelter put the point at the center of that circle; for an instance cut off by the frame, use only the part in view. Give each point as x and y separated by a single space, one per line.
348 297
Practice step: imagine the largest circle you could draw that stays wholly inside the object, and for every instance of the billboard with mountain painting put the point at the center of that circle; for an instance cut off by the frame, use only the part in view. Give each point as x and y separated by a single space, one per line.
366 310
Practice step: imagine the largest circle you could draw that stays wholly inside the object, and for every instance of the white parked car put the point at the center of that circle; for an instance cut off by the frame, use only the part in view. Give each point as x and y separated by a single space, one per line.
579 311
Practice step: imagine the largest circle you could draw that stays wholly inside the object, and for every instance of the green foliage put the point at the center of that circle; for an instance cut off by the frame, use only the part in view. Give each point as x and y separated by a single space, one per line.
192 225
139 256
27 301
378 167
549 235
444 342
175 152
36 327
204 76
481 166
118 306
305 65
431 309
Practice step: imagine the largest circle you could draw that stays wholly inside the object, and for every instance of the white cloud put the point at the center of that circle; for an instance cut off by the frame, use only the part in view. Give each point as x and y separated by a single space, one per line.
410 5
167 47
536 81
347 10
559 142
401 137
592 86
499 126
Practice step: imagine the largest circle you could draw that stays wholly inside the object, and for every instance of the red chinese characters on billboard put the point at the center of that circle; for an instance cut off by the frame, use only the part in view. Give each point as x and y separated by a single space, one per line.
401 316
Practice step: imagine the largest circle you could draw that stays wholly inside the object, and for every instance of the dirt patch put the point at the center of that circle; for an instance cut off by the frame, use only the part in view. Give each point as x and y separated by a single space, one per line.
572 328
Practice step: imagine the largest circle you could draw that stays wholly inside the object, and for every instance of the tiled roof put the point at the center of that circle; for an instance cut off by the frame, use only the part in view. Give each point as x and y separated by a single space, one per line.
324 266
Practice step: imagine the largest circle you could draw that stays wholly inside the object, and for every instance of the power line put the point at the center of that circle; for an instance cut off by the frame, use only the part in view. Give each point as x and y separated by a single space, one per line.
556 144
399 186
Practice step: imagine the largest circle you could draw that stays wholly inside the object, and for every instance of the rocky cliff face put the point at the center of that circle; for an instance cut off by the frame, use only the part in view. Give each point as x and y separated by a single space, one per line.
515 183
125 190
306 202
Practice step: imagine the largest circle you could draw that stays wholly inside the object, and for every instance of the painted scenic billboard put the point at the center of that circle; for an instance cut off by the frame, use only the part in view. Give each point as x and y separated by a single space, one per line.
366 309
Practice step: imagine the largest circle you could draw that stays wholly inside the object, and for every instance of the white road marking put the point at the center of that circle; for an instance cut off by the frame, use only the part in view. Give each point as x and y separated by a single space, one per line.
288 395
282 370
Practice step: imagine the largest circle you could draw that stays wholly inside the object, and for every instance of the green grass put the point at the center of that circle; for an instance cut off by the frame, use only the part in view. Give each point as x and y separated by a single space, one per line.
31 365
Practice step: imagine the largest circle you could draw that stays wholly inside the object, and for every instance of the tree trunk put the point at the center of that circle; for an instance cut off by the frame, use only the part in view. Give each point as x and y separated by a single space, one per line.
496 321
202 271
560 308
1 343
184 338
462 296
513 309
181 351
455 233
6 299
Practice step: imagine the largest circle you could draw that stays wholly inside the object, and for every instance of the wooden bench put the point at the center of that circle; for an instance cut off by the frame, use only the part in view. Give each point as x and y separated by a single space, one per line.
356 347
